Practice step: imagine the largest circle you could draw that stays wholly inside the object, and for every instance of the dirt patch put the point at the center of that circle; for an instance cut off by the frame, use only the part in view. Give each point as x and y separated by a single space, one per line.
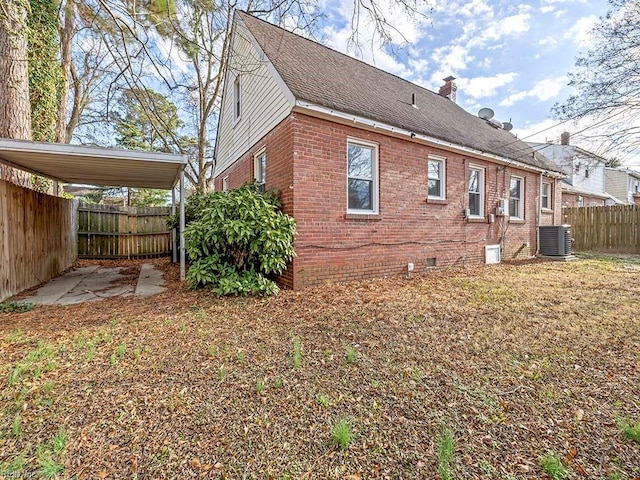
519 362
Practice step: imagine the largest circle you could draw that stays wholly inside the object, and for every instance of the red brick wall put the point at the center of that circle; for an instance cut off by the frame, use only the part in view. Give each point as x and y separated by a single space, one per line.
571 200
334 246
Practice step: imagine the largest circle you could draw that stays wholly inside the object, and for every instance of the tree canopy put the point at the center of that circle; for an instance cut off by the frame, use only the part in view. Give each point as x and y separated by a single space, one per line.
607 80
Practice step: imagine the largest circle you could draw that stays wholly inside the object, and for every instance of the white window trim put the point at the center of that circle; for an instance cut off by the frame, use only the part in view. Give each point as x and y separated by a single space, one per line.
549 196
374 170
237 100
481 188
443 179
225 184
256 167
520 215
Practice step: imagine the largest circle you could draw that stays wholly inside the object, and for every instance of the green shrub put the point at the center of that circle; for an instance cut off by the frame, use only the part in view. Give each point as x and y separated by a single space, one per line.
237 241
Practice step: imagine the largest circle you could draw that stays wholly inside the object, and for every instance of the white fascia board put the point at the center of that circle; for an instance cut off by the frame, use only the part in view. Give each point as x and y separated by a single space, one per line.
348 118
24 146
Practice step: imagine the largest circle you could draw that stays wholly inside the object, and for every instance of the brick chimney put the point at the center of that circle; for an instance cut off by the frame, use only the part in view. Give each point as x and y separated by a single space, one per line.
565 137
448 90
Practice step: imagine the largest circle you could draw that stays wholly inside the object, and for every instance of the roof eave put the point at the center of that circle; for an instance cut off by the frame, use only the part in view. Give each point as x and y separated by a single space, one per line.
362 122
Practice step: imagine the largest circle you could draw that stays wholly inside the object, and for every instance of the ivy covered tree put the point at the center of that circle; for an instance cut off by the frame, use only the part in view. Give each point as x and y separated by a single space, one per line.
238 241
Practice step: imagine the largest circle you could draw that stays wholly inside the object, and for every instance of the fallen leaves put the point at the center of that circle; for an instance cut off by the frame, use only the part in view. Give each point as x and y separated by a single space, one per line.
511 359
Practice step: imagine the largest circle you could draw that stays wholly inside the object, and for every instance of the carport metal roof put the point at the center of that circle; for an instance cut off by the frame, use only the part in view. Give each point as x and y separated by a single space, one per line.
94 165
107 167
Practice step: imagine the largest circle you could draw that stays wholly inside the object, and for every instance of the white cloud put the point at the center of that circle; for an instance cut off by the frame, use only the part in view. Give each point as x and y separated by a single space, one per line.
549 42
547 9
476 8
513 25
543 90
451 60
482 87
580 32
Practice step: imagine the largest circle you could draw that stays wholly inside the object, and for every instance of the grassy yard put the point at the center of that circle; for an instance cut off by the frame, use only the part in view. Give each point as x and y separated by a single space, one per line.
510 372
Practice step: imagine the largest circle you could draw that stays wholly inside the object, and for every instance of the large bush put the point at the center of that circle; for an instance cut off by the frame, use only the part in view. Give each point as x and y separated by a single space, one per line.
237 241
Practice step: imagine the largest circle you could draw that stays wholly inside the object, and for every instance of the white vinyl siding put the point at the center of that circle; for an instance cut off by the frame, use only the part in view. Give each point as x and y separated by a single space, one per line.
516 198
264 103
436 174
476 192
362 177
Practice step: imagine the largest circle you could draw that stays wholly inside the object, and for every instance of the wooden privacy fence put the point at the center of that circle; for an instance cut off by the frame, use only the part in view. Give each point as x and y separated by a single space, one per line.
613 229
123 232
37 237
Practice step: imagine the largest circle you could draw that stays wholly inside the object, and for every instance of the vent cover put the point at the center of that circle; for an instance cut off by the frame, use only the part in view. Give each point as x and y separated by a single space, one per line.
555 240
491 254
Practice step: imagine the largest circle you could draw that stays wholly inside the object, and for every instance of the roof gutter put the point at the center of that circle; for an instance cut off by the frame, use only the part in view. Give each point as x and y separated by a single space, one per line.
347 118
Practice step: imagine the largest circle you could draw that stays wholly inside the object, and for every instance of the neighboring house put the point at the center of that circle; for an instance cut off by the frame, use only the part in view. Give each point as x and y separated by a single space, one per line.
584 182
380 174
624 184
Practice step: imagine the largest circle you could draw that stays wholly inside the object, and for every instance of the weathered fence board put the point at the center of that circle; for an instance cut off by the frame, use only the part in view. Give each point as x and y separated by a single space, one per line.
614 229
123 232
37 237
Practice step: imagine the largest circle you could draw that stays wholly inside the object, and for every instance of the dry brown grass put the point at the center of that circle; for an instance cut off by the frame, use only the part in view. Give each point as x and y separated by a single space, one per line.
518 361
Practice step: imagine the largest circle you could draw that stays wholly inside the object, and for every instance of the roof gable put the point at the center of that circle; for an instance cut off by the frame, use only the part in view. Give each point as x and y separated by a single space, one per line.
321 76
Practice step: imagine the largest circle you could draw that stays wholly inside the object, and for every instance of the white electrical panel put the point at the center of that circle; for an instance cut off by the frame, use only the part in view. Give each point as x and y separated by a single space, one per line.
502 208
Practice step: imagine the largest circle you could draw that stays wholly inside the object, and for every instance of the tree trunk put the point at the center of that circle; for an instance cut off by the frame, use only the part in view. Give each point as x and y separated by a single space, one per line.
66 36
15 112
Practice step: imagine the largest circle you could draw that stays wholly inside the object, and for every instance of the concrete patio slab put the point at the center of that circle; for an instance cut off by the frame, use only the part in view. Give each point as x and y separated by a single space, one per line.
93 283
150 281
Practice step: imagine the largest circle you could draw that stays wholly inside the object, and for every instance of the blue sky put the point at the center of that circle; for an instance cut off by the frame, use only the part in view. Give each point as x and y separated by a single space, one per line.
510 56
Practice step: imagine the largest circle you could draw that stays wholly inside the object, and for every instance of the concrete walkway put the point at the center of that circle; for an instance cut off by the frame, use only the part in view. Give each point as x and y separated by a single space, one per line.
93 283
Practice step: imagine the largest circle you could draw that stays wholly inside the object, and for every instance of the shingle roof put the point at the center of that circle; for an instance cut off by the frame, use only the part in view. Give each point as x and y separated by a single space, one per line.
319 75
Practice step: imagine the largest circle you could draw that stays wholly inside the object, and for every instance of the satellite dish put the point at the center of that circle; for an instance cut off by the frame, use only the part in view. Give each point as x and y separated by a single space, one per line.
486 113
507 126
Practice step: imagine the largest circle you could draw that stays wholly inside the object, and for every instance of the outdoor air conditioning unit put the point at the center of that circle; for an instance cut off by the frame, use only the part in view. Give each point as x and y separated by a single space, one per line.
555 240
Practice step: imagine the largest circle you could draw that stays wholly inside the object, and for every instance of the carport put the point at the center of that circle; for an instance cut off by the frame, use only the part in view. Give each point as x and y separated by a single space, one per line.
107 167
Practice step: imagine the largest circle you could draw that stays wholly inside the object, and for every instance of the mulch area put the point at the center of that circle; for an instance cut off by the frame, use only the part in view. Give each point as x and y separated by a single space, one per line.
518 361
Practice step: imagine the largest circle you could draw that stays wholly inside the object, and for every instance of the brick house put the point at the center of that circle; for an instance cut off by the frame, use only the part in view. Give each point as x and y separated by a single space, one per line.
378 172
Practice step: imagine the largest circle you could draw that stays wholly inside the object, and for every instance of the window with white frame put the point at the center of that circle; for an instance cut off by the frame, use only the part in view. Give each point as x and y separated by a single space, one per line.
362 177
546 195
225 184
436 177
260 168
236 99
476 192
516 195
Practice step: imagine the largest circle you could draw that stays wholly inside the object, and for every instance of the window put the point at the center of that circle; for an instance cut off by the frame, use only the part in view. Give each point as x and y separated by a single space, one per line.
362 177
236 99
515 198
260 168
225 184
476 192
436 175
546 195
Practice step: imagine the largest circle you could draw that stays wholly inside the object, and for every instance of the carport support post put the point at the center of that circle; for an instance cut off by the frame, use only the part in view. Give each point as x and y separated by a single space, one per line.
174 237
183 272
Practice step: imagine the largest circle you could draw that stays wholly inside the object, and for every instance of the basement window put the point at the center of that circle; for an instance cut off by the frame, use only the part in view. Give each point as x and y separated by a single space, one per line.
431 262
